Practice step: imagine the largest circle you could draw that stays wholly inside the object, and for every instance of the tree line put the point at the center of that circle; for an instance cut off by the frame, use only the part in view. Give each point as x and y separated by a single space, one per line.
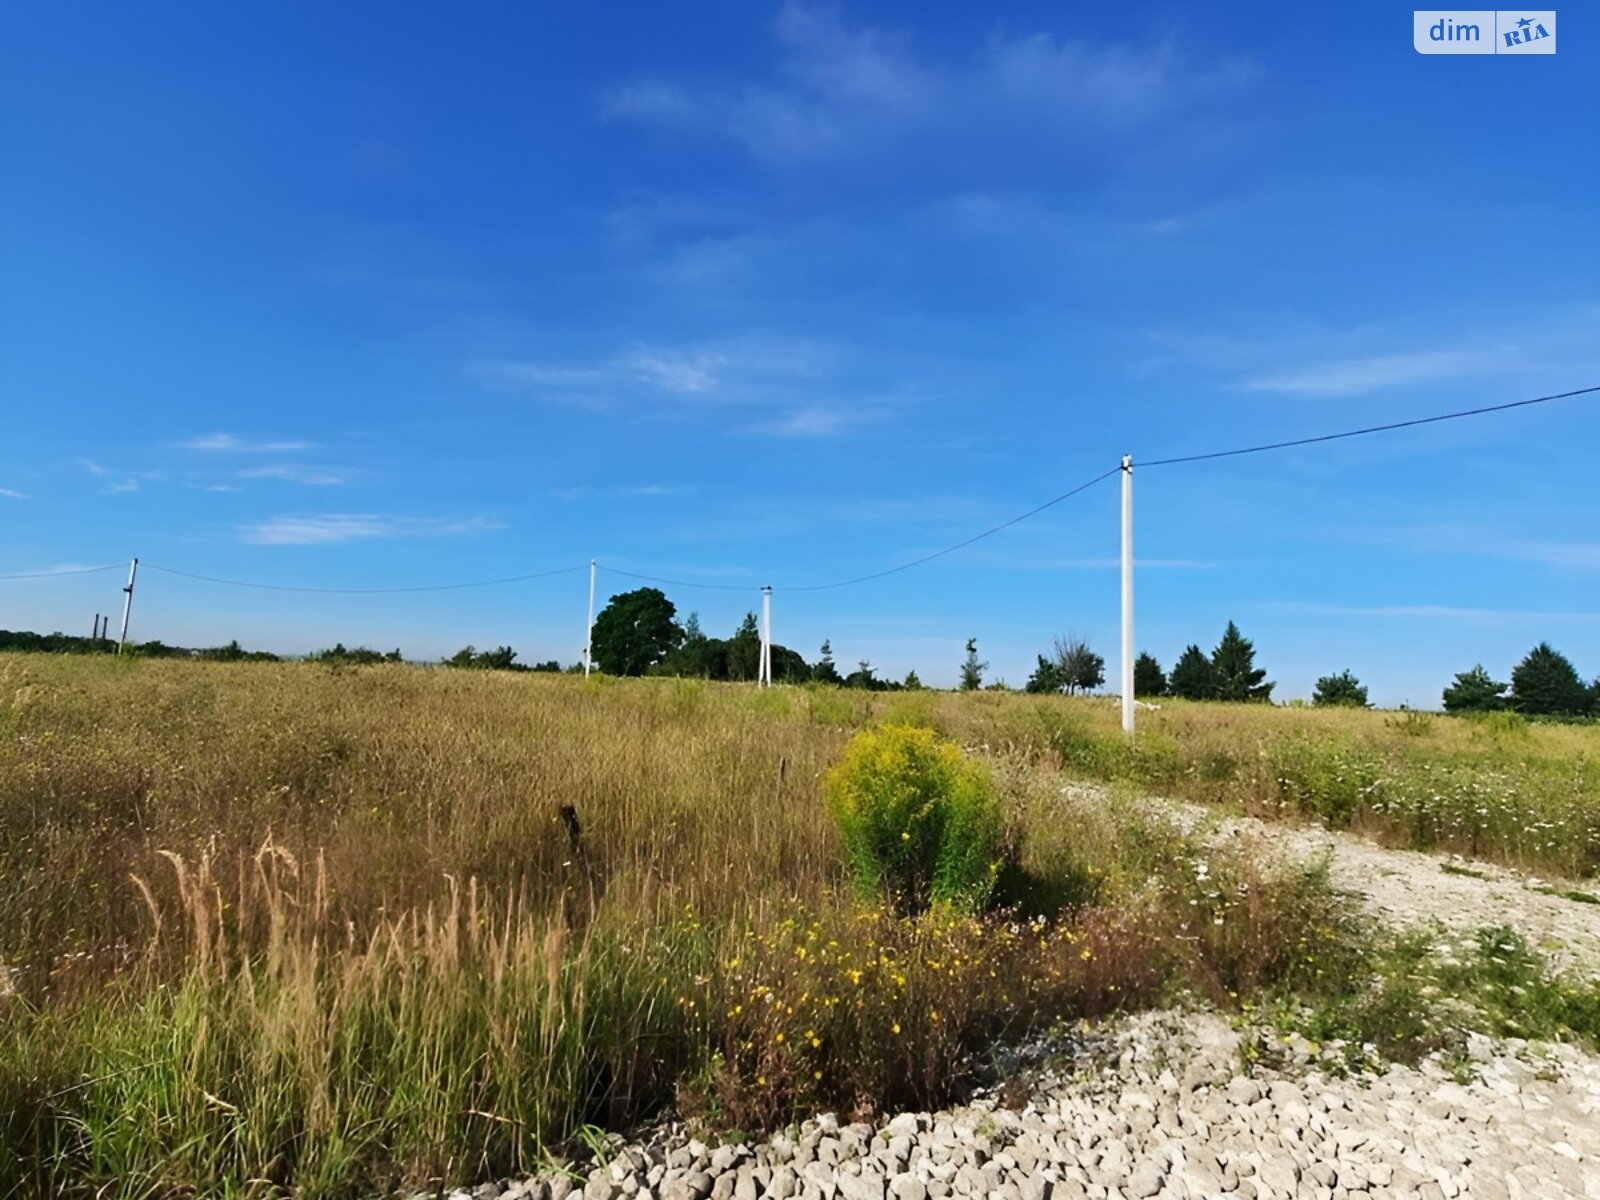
1543 684
638 633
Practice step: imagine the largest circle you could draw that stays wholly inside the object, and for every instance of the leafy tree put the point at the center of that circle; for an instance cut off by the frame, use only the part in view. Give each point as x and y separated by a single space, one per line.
691 628
1233 663
788 666
339 655
1193 677
635 631
1341 689
825 671
862 677
912 683
744 651
1148 677
1082 670
1047 678
971 669
501 658
1545 683
1474 691
232 652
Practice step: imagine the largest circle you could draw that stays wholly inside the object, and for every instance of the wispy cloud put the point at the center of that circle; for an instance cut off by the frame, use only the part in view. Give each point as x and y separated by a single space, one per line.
124 488
816 422
729 370
227 443
756 370
302 473
66 568
854 90
1426 612
1112 564
89 465
1356 376
331 528
13 494
1568 554
622 492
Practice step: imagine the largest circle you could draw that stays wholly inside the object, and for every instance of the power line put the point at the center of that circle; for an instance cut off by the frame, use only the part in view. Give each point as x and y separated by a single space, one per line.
388 591
977 537
716 587
1350 433
58 574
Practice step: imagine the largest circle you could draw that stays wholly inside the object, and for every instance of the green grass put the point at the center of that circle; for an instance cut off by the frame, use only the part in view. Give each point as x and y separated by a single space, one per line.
1398 996
328 929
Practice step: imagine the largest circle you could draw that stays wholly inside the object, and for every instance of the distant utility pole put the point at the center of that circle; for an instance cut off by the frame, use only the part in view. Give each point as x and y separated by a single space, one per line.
766 636
1127 594
588 641
127 604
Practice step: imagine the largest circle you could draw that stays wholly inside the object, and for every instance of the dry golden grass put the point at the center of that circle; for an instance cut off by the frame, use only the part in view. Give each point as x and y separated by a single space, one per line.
328 928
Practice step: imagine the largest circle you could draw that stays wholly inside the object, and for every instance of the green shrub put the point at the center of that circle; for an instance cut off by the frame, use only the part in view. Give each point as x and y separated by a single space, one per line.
920 822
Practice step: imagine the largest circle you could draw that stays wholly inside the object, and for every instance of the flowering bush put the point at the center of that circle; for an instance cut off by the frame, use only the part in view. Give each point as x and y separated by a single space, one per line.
921 824
884 1011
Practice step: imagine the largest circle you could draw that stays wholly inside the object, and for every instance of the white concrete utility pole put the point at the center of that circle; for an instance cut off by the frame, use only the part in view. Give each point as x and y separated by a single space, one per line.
127 603
1127 594
588 640
766 636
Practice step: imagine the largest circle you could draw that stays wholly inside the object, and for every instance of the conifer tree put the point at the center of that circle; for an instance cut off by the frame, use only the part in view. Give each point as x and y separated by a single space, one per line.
1475 691
971 668
1545 683
1341 689
825 671
1233 664
1192 676
1148 677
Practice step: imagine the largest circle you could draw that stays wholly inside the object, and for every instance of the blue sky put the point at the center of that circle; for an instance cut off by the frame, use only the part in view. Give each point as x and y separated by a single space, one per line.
365 296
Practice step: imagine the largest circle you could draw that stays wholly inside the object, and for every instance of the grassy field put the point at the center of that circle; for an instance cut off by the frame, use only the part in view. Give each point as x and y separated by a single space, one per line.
330 928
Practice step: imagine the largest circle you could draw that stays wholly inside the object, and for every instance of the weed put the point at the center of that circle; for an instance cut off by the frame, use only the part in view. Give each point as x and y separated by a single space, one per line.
920 822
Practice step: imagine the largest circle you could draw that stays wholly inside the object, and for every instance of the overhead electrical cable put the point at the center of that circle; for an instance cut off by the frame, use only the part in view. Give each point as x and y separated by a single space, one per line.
716 587
59 574
383 591
1350 433
977 537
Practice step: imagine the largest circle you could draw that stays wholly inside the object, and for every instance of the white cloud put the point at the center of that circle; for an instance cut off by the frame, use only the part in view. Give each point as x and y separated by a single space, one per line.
1112 564
123 488
330 528
13 494
302 473
626 491
860 90
650 100
815 422
1427 612
690 373
227 443
755 368
1359 375
1487 543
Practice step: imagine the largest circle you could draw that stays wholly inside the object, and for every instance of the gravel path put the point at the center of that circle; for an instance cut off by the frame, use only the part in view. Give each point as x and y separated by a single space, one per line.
1159 1107
1404 887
